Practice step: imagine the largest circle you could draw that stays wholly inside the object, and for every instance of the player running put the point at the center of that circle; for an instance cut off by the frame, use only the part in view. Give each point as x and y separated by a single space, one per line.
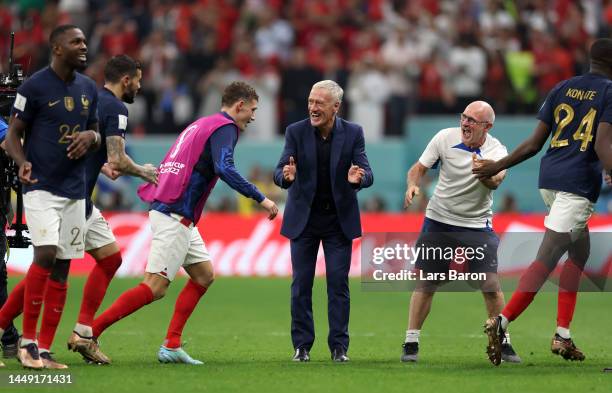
122 82
577 113
56 108
122 76
201 155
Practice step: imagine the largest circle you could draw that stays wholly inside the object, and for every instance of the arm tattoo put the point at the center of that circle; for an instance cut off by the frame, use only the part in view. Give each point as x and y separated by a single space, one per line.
117 157
116 149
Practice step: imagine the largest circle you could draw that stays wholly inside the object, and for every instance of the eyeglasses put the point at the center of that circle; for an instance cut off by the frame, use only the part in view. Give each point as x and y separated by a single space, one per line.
471 120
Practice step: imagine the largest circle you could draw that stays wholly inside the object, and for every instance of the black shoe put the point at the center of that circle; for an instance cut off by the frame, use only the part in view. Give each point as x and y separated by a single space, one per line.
508 354
9 351
301 355
410 352
339 355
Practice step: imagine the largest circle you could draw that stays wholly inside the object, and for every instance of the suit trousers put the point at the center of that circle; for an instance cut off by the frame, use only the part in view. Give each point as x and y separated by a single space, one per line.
323 226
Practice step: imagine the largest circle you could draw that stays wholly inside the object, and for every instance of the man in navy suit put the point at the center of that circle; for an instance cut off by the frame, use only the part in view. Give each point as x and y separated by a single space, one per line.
323 165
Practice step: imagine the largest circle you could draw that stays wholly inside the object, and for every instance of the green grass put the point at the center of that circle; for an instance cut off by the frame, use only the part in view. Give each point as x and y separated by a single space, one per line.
241 331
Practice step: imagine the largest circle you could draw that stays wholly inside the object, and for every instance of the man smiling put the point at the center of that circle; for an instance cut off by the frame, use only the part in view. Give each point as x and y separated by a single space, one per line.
323 165
56 111
460 208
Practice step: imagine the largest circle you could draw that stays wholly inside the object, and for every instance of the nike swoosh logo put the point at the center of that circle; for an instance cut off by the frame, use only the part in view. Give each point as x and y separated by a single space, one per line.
36 303
52 103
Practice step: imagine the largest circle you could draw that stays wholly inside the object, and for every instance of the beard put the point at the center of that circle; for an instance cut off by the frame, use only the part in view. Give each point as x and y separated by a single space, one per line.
79 65
128 97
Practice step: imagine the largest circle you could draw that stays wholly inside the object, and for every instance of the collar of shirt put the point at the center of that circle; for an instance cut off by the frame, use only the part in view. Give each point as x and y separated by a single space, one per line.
227 115
329 137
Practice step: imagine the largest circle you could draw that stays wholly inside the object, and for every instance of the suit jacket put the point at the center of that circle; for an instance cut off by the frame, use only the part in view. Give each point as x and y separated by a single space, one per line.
348 147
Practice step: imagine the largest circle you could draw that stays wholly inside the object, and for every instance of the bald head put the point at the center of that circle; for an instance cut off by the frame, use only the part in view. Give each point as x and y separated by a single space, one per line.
481 111
476 121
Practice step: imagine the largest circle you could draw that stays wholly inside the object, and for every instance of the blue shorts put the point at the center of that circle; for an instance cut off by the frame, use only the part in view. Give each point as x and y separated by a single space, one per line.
442 244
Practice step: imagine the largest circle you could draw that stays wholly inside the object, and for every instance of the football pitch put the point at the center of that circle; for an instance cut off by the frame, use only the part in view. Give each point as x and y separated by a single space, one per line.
241 331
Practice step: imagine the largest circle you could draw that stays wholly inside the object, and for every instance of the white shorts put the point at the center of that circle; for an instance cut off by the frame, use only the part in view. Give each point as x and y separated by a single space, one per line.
567 212
97 231
56 221
173 245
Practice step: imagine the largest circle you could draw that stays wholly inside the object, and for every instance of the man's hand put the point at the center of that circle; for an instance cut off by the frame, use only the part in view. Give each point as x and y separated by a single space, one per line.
25 174
484 169
608 179
355 174
289 170
411 192
81 142
149 173
270 207
110 172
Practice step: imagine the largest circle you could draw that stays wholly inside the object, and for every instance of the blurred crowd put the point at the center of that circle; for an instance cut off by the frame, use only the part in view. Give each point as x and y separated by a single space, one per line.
393 58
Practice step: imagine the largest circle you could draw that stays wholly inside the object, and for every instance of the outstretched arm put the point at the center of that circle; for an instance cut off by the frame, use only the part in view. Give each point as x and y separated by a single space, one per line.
490 182
603 145
525 150
222 149
119 160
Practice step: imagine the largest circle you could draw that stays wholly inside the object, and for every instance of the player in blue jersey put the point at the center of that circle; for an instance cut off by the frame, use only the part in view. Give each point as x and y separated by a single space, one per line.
176 240
122 82
577 112
56 111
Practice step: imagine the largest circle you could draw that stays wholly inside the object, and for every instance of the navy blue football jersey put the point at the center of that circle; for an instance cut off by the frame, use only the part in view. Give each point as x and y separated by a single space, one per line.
53 110
572 111
113 115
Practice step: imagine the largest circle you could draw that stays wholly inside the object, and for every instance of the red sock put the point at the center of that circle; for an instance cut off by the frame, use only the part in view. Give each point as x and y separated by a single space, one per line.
55 298
130 301
13 306
530 283
568 292
185 304
35 283
96 286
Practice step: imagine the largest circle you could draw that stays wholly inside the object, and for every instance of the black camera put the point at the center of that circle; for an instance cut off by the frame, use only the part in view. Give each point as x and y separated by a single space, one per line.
9 179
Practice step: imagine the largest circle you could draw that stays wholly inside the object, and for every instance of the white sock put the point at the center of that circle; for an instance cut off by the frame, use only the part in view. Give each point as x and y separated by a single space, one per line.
504 322
563 332
83 330
412 335
43 350
26 341
507 338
